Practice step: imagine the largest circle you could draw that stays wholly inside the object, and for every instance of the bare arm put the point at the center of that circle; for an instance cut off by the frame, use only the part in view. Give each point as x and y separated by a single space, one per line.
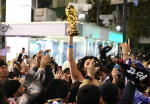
75 73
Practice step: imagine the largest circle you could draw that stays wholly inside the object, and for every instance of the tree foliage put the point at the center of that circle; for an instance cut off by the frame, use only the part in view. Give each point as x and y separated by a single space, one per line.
139 24
105 8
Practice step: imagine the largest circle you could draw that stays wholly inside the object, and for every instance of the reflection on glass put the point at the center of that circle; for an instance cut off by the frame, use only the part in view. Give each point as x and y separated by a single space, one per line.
58 48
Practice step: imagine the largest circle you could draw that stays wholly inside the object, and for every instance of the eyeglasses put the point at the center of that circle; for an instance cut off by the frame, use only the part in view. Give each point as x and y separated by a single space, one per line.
3 68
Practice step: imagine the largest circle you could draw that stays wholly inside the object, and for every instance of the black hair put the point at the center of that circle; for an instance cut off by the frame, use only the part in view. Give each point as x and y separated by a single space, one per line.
141 87
109 92
81 62
74 90
48 75
57 88
26 56
100 46
88 94
17 63
2 62
34 55
99 72
10 87
66 70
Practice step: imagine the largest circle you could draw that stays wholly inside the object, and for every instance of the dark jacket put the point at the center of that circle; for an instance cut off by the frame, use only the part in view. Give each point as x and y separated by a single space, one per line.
128 94
103 52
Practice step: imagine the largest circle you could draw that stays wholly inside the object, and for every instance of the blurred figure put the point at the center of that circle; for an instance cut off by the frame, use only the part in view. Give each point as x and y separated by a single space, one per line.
3 71
109 93
57 88
3 97
13 90
103 51
88 94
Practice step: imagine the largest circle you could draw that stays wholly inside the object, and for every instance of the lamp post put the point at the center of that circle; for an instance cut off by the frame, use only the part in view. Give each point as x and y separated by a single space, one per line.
98 11
124 19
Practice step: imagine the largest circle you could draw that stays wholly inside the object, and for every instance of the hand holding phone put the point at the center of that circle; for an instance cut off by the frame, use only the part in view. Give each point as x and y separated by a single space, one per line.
46 52
59 69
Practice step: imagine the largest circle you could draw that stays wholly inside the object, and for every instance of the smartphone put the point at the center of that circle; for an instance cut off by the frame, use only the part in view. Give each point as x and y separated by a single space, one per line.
59 68
46 53
55 101
97 63
22 76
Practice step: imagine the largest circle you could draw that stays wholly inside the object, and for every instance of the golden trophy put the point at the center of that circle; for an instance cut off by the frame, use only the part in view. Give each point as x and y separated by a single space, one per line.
72 19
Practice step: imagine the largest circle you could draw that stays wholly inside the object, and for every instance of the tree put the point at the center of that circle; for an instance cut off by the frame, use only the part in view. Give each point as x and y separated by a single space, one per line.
105 8
138 25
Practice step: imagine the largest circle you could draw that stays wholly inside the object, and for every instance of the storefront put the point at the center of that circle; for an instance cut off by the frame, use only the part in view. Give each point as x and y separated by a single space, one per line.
37 36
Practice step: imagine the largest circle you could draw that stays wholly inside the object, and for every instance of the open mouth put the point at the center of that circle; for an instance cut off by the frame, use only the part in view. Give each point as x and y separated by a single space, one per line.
4 73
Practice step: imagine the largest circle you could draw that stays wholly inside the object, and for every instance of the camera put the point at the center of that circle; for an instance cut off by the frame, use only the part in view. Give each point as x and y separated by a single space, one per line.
46 53
52 61
97 63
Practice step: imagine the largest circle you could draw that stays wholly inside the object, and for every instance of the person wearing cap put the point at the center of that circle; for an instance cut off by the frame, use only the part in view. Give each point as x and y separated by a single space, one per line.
3 71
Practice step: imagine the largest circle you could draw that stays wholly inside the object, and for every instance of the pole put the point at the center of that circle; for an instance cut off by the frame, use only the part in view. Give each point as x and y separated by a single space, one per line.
36 4
124 19
98 11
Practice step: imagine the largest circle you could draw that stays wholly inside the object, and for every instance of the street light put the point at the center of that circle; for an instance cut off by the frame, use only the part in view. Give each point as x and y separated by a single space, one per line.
118 28
4 27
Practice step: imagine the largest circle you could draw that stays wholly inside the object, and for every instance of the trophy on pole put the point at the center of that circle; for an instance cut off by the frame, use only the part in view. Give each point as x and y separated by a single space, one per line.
72 19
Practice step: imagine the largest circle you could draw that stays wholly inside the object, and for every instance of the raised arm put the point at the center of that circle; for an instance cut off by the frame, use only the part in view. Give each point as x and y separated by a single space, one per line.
20 56
36 85
107 48
75 73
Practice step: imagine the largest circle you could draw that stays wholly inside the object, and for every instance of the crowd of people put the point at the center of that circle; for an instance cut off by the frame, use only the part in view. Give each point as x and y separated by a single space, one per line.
92 80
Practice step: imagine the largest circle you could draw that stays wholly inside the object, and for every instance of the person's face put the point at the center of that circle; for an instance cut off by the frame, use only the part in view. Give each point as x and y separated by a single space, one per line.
86 64
101 46
103 75
3 71
26 68
16 66
66 77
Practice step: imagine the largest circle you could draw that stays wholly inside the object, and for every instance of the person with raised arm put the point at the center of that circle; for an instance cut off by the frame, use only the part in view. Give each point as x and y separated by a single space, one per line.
76 73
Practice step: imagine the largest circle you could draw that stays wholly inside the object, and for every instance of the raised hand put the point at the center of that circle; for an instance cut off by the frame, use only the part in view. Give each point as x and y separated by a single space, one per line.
45 61
126 49
114 74
91 69
38 58
69 28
